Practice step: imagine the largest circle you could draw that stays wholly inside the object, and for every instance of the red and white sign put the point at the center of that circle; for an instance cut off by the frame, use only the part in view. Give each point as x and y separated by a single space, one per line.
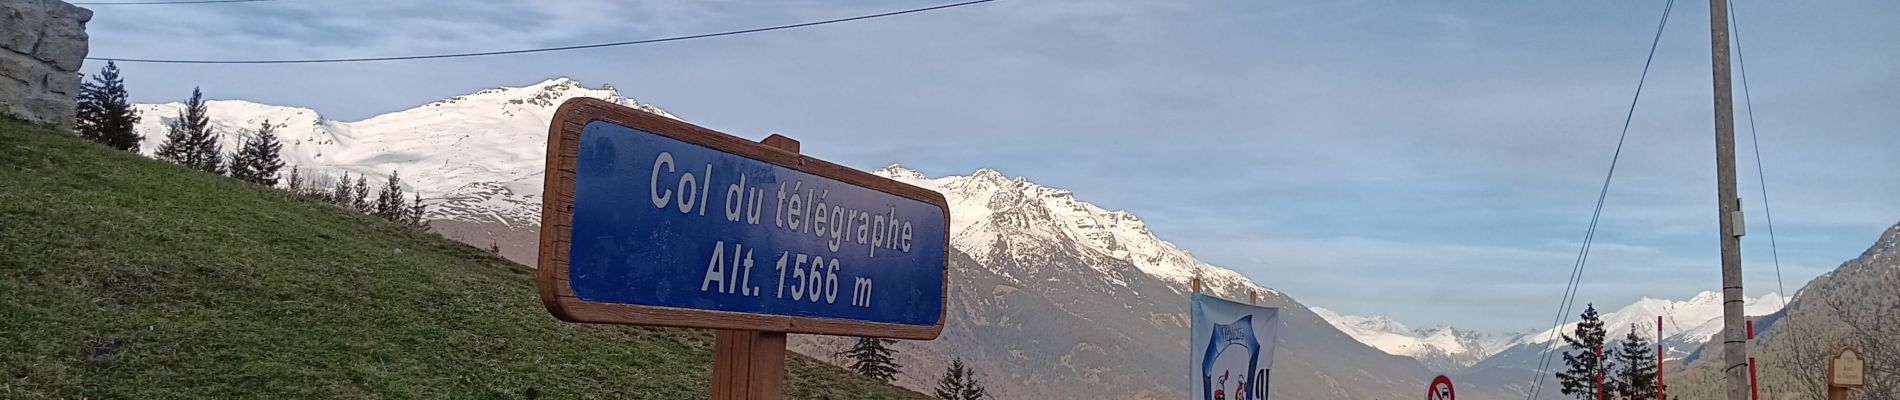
1440 389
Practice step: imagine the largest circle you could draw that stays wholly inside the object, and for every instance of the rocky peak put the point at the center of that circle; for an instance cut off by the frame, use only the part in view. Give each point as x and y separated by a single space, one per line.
900 172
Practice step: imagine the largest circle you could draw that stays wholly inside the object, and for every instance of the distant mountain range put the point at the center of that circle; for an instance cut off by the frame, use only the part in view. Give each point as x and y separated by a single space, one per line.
1687 325
1442 348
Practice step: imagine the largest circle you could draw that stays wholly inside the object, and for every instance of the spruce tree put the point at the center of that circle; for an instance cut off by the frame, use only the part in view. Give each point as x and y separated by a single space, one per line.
1635 373
959 383
872 357
360 201
341 192
416 210
973 388
104 113
189 139
1580 379
257 161
389 202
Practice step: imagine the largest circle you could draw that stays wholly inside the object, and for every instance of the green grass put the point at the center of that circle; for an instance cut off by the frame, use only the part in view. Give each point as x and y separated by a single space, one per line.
124 277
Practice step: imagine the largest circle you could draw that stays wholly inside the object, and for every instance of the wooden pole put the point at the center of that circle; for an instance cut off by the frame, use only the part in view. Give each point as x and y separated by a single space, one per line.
750 365
1734 346
1599 372
1659 358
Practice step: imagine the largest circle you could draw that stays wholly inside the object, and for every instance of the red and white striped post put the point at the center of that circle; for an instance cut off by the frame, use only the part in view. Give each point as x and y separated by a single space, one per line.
1599 372
1753 393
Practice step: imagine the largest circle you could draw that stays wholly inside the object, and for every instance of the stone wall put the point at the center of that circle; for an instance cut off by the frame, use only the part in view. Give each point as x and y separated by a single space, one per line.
42 43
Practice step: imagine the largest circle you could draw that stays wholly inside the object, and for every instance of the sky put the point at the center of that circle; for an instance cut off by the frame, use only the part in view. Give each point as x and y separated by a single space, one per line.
1436 162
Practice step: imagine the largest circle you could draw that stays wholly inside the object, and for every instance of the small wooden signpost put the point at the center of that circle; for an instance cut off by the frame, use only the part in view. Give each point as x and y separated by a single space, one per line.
647 220
1845 372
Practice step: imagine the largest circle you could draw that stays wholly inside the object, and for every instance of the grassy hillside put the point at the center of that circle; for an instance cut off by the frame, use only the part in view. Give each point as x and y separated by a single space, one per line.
123 277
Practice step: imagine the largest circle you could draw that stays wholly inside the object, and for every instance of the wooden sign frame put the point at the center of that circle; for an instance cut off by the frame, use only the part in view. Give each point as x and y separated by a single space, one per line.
557 223
1832 358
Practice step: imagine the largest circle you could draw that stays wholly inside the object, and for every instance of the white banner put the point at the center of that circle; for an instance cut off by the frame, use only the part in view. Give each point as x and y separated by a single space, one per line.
1231 350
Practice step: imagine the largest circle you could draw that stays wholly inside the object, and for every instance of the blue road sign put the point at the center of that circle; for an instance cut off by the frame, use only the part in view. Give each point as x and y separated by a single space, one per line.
661 222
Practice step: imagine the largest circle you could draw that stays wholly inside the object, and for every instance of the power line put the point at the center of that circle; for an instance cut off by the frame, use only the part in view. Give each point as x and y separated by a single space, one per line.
148 3
1589 236
1760 174
544 49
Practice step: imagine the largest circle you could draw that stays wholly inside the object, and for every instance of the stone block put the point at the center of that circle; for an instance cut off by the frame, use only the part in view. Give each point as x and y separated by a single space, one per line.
52 110
64 10
42 43
63 44
20 24
61 82
18 68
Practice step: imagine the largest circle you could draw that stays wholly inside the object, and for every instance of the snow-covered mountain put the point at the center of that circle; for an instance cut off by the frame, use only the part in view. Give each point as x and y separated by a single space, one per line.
989 210
1048 292
1442 348
1056 292
1687 324
477 157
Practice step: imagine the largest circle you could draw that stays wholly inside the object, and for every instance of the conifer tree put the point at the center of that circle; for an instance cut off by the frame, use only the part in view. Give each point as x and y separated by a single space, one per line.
1635 371
258 160
104 113
872 358
1580 379
361 200
416 210
389 202
189 139
959 383
341 192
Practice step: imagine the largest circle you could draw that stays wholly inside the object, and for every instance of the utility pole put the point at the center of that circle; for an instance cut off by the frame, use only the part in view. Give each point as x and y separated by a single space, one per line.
1734 346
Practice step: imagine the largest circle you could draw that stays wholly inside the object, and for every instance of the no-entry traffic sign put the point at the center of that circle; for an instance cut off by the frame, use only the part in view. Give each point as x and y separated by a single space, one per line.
1440 389
647 220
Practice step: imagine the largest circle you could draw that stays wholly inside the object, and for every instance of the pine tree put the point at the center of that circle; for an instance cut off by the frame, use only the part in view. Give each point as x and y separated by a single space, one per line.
974 388
341 192
959 383
190 141
104 113
389 203
415 214
1635 374
361 200
258 161
1580 379
872 357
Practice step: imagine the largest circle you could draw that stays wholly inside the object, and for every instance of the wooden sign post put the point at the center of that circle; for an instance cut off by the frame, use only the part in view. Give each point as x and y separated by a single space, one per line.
1845 372
647 220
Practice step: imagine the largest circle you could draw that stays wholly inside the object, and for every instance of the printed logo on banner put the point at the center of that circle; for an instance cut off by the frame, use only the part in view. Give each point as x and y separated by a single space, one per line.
1233 360
1232 354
